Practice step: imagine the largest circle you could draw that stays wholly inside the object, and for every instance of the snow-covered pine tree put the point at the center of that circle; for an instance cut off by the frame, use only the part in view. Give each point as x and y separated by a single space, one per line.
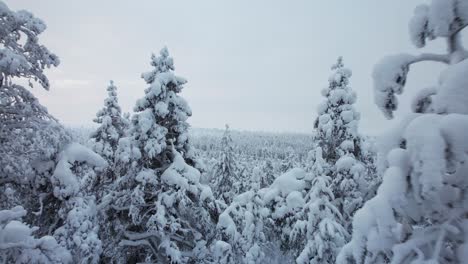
419 214
112 126
318 230
225 181
337 135
164 213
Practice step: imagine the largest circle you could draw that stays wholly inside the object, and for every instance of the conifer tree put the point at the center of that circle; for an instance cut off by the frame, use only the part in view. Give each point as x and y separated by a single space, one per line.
319 231
242 226
267 174
112 126
225 181
337 135
419 212
164 213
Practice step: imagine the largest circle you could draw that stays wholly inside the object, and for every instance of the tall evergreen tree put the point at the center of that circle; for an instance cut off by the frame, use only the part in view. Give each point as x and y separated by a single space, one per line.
337 135
162 114
164 212
112 126
225 181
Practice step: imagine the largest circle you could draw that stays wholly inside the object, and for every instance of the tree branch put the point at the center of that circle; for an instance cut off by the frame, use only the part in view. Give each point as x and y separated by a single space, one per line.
444 58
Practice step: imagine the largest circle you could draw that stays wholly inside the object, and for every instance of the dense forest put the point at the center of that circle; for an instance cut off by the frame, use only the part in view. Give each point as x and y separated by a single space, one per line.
145 187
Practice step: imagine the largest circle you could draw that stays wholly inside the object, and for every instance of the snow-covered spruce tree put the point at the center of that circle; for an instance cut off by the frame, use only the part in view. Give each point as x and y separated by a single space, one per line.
419 214
225 181
267 174
105 141
163 212
241 225
336 134
112 126
168 108
318 230
285 199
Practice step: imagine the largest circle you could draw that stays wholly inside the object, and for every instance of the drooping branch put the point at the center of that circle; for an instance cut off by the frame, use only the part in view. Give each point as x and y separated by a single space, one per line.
390 76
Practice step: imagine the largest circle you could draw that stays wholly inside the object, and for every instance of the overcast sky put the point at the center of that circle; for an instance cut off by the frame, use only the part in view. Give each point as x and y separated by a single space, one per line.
257 65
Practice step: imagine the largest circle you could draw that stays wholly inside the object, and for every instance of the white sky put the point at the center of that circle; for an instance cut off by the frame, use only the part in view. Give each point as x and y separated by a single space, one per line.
257 65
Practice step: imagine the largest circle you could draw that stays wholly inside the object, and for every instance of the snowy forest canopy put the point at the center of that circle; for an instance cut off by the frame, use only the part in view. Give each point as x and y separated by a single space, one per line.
146 188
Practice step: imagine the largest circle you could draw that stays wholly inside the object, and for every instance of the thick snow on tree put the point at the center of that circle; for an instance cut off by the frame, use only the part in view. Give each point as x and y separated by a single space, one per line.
112 126
161 115
166 214
285 198
337 134
18 245
419 212
73 179
66 183
337 121
21 55
242 226
222 253
440 19
318 230
30 142
225 179
24 120
169 215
